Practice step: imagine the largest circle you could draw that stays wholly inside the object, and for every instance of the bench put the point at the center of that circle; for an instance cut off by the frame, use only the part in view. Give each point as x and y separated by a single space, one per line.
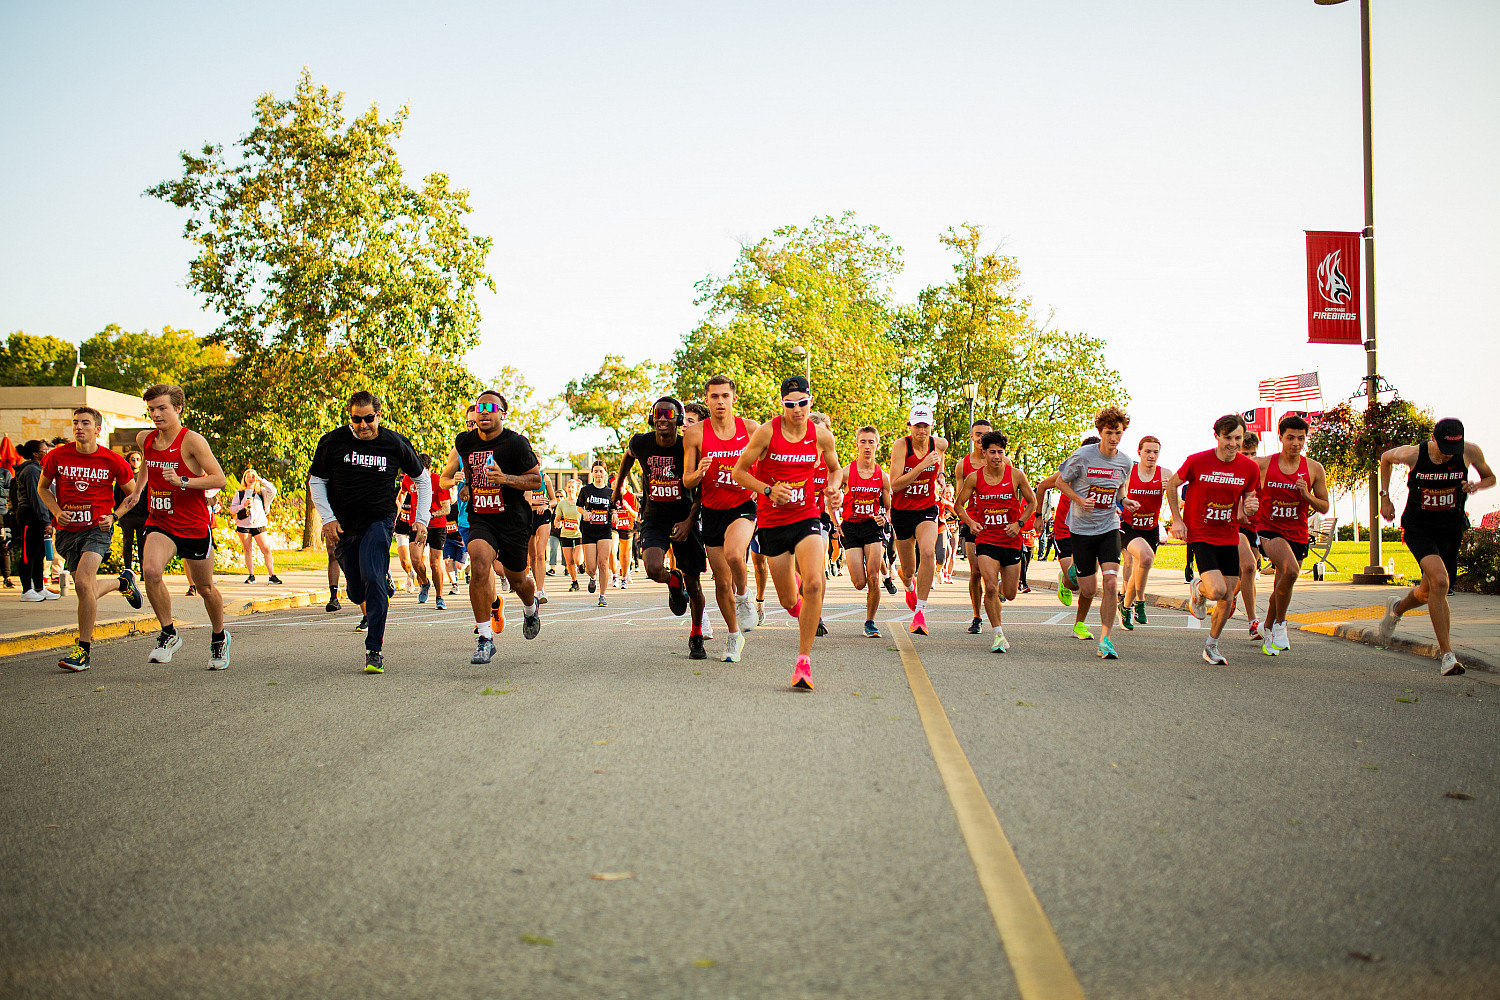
1320 544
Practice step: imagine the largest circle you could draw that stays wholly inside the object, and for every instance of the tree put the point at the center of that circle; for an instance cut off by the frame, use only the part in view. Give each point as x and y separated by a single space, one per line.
617 398
129 362
28 360
332 274
1350 442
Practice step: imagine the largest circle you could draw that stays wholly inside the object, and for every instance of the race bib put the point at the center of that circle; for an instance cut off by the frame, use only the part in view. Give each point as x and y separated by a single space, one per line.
1100 496
487 503
1216 512
72 514
159 502
864 509
1440 500
1142 521
725 478
1284 512
799 494
666 490
919 489
996 519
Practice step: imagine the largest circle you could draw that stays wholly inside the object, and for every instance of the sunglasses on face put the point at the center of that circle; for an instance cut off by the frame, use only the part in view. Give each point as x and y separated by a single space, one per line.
368 418
792 404
487 408
664 413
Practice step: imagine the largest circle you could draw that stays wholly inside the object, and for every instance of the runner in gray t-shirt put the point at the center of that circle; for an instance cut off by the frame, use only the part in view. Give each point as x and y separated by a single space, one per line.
1094 479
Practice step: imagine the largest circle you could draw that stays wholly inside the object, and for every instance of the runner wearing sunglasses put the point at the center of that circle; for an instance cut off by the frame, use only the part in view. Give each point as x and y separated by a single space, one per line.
916 468
669 515
499 467
777 467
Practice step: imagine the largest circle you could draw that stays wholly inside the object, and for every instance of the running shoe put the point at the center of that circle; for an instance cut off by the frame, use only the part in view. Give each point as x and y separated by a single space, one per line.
440 605
453 589
802 674
531 625
796 609
677 595
999 644
484 649
601 603
422 594
911 597
890 586
1451 666
191 592
1279 637
1197 603
1064 595
744 614
411 582
574 587
760 612
390 587
541 596
735 647
32 595
77 659
1212 655
1387 627
250 578
1268 646
974 626
872 630
1255 632
592 585
918 623
1025 588
1072 577
505 585
218 652
497 615
695 648
708 627
1107 649
374 662
822 629
130 588
166 645
333 603
274 580
1081 631
551 570
1140 612
1127 619
364 623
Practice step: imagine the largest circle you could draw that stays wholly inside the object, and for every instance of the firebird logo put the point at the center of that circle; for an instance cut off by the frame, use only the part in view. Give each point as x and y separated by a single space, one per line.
1332 284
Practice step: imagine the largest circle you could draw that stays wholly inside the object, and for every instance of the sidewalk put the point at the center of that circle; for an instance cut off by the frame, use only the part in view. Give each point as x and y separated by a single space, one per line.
1344 610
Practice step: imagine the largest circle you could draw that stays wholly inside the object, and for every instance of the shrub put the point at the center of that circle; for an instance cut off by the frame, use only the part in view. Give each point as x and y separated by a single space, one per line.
1388 533
1479 562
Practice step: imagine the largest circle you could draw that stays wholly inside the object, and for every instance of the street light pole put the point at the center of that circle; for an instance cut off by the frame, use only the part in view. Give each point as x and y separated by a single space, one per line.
1374 572
971 389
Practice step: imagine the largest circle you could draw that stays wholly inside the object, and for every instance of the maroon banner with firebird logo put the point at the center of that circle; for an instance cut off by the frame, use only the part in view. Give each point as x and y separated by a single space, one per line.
1333 288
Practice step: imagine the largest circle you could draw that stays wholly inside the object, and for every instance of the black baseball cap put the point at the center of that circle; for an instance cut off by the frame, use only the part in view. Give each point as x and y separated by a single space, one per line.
1449 434
796 383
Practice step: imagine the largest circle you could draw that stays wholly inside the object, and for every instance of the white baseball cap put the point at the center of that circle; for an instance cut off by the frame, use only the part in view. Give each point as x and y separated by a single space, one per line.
919 415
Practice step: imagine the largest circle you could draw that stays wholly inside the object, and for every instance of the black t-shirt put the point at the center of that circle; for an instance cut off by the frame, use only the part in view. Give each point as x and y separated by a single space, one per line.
514 457
663 497
593 501
361 475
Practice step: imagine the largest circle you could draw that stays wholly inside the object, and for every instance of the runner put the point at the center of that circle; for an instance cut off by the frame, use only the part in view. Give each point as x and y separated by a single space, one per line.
1433 522
595 502
352 482
540 501
406 501
966 466
916 465
668 515
783 454
1250 545
84 515
947 531
995 501
455 551
498 466
727 515
1141 531
1062 539
569 520
179 469
624 515
1093 479
1290 484
867 493
1220 483
437 534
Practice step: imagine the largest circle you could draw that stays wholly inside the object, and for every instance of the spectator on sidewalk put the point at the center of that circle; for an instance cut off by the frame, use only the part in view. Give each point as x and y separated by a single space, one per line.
33 521
251 507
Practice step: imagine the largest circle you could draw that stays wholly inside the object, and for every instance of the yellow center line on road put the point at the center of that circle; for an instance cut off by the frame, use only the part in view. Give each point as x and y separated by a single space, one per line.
1031 946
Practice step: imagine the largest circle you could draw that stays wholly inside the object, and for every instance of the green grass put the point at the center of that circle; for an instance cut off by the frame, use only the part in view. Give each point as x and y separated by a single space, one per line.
287 560
1349 557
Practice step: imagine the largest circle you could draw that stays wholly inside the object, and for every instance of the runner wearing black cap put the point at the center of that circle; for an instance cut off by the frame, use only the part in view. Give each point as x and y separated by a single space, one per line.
668 515
1433 522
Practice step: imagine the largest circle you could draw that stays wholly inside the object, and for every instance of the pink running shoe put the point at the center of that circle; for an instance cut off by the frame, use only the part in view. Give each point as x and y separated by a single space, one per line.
796 609
918 624
802 674
911 597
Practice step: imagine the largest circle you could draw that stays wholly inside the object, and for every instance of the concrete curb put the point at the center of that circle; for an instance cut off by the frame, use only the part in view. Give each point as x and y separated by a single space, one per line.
300 599
1353 631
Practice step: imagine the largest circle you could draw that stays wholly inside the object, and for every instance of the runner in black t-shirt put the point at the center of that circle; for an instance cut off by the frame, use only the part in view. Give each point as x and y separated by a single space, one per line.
499 467
353 484
669 515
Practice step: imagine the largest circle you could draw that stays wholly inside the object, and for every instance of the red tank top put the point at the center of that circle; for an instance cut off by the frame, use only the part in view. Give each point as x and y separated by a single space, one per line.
1148 495
967 468
1283 509
177 511
861 495
1060 517
921 493
719 489
998 505
793 463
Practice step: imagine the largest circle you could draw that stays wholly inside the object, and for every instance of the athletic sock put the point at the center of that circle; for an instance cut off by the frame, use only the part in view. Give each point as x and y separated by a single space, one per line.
531 611
921 604
997 630
218 637
698 631
86 646
169 629
486 630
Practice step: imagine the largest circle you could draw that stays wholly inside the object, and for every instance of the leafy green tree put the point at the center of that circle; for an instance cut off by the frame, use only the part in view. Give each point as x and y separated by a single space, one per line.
29 360
129 362
332 274
617 398
1349 442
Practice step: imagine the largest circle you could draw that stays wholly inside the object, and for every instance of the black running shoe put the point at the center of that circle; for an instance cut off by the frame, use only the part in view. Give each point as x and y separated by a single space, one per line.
974 627
484 649
695 648
822 629
374 663
592 585
574 587
333 603
890 586
364 624
531 625
130 588
390 587
677 596
273 578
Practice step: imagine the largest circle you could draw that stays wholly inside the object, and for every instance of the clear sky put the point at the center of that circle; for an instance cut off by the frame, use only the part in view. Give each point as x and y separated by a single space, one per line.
1152 165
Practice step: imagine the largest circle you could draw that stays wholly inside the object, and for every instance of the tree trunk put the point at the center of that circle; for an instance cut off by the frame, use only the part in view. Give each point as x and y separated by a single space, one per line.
311 523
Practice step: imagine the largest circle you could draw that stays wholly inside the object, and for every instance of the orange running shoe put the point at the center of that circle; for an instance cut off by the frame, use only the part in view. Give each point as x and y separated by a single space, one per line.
497 614
802 674
918 624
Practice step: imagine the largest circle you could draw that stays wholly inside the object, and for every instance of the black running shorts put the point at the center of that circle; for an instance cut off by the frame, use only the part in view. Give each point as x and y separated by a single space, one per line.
593 535
1250 536
1224 558
187 548
905 521
1444 545
714 521
784 537
858 534
1064 547
1299 549
403 528
691 559
965 537
510 539
1151 535
1092 551
1002 554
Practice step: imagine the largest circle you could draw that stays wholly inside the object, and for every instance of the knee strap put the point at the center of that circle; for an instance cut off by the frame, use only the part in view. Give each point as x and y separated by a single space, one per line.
1109 572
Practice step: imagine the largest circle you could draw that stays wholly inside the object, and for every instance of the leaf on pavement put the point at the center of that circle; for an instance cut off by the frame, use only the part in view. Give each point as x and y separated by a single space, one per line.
545 942
705 963
1457 795
611 876
1365 956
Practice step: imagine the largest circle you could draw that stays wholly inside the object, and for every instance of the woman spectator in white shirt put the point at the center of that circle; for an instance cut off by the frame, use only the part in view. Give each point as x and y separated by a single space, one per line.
251 507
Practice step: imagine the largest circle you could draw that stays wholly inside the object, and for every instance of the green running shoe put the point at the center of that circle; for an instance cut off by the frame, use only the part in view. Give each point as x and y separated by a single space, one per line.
1064 594
999 644
1140 612
1082 631
1107 650
1127 619
1073 577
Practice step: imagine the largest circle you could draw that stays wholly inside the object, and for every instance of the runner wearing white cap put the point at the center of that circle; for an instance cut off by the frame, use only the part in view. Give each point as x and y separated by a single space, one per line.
916 467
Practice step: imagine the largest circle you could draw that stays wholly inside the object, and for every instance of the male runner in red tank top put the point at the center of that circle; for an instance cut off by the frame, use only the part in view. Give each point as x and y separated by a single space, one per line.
1290 484
1140 530
861 521
777 466
916 467
996 501
727 509
179 467
966 466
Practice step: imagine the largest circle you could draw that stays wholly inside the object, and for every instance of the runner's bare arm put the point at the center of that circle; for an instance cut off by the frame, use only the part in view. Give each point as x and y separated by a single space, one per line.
1023 486
694 464
626 461
1174 503
448 476
755 450
961 501
898 461
1475 457
829 447
1405 454
195 450
528 480
1318 498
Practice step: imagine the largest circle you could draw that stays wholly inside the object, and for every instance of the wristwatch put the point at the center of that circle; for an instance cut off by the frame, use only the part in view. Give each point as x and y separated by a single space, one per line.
1386 494
767 491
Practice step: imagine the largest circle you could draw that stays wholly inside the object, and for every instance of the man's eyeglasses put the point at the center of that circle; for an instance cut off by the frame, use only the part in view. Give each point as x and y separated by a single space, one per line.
664 413
488 408
368 418
792 404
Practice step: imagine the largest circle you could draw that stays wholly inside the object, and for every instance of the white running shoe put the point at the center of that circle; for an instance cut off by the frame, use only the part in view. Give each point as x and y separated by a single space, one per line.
1255 630
411 582
505 585
744 613
1197 604
1387 627
1279 637
32 595
760 612
50 595
708 628
166 645
735 647
1451 665
1212 655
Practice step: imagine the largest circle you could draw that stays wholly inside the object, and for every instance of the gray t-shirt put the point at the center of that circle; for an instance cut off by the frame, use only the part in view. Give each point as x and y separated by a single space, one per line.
1091 474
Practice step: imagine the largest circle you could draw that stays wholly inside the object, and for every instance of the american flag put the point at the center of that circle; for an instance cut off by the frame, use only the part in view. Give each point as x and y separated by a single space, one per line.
1291 387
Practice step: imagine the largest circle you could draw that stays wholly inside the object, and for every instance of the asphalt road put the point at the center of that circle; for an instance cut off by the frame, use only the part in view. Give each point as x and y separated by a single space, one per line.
292 827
